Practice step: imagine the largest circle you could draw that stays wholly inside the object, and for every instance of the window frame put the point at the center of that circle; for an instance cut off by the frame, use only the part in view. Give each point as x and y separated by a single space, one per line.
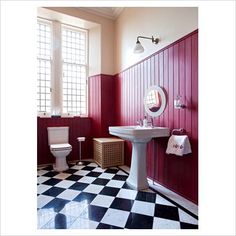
57 69
48 22
67 26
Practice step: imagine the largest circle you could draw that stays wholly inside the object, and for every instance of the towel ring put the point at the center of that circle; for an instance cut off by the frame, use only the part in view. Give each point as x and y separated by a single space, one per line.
178 131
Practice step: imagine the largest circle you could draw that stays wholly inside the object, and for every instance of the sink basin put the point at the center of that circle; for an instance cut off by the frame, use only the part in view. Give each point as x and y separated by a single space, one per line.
139 136
139 133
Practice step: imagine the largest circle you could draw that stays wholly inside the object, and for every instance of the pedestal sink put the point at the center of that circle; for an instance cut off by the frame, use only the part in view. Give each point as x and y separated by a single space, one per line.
139 136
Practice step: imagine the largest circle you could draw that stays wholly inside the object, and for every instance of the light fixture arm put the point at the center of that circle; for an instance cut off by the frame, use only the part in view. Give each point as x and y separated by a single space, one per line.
156 40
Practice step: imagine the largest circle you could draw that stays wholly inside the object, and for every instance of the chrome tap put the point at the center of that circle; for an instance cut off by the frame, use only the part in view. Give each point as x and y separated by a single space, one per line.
151 123
140 122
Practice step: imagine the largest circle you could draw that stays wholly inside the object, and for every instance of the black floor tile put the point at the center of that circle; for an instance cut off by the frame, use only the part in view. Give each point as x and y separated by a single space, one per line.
78 186
120 177
54 191
122 204
86 198
106 226
146 196
56 204
138 221
90 168
94 213
52 181
188 226
94 174
100 181
51 174
74 177
166 212
70 171
111 171
110 191
126 186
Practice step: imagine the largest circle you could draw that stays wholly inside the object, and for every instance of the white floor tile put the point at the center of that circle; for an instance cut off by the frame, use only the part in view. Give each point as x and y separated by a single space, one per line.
106 176
82 172
65 184
144 208
186 218
163 201
93 164
102 200
93 188
76 167
42 179
62 221
121 173
159 223
115 183
42 200
81 223
42 188
44 216
99 169
68 194
73 208
115 217
87 179
127 193
62 176
42 172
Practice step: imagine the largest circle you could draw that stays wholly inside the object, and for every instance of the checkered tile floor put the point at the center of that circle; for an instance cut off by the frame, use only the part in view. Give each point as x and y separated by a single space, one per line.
88 197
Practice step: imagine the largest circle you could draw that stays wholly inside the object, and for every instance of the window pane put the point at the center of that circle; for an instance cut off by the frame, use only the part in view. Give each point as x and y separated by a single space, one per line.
76 87
74 70
44 66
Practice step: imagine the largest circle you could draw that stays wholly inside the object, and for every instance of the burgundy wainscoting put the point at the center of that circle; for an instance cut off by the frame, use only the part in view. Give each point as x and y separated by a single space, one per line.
77 127
175 69
102 103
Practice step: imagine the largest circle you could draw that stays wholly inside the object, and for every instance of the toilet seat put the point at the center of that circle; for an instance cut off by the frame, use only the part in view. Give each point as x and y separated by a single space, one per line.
60 147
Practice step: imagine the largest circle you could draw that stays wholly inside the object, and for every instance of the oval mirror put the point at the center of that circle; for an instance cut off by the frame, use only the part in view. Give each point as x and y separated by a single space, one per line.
155 101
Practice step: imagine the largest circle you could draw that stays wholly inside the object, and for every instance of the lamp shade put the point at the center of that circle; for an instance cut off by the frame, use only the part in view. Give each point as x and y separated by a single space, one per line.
138 48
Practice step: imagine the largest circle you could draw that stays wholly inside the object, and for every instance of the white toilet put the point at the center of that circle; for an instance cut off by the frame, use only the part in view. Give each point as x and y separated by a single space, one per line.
58 140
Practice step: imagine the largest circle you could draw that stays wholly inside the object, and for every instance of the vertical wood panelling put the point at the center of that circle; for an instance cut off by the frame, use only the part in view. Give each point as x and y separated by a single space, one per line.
175 69
101 103
107 104
188 64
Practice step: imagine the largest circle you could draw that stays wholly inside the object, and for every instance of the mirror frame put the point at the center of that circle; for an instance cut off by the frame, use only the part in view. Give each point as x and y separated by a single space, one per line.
163 101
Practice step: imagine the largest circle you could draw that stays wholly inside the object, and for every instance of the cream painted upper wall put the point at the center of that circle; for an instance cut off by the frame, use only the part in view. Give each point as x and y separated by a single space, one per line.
104 58
166 23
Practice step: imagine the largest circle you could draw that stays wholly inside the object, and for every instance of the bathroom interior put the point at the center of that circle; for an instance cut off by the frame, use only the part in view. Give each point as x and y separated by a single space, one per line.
117 124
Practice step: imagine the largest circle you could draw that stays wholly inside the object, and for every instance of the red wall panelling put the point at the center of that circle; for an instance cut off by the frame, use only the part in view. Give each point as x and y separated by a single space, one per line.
77 127
102 103
175 69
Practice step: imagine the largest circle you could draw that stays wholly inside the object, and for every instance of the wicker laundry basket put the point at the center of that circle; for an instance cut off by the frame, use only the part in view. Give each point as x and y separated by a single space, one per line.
108 152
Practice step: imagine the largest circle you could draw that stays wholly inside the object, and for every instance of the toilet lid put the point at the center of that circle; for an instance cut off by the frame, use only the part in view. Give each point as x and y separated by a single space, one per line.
61 146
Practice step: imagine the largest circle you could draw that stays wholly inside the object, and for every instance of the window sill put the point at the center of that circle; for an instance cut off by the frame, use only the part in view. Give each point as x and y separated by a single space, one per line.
58 117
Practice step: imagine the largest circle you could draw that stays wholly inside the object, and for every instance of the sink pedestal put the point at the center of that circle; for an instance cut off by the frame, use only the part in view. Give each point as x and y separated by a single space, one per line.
139 136
138 174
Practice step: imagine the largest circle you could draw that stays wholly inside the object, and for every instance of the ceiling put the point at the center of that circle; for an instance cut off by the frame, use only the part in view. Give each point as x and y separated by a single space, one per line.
108 12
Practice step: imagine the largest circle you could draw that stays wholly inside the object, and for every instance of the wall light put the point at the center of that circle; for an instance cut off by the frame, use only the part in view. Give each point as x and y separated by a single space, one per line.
139 48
